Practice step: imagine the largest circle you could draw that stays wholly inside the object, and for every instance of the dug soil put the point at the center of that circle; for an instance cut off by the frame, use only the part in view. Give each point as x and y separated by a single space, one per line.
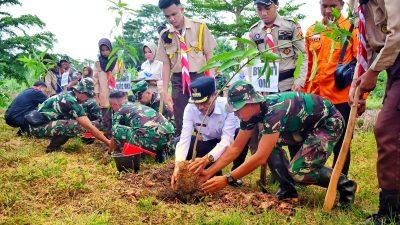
156 182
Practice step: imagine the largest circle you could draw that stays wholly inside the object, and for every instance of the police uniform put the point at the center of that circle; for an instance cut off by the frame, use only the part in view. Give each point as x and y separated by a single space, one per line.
382 25
289 43
140 125
199 41
305 119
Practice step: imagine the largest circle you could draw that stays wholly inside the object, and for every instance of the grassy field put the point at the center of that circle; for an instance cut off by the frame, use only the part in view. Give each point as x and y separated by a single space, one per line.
80 186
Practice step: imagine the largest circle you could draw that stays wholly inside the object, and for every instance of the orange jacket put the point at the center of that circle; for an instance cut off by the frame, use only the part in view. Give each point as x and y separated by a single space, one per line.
318 48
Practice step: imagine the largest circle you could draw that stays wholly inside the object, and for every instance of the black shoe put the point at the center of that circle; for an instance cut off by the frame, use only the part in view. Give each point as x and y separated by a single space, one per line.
287 193
347 190
389 209
56 142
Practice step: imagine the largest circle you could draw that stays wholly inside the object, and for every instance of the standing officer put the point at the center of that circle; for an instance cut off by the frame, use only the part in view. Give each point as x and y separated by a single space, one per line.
184 49
149 97
216 134
382 27
140 125
285 38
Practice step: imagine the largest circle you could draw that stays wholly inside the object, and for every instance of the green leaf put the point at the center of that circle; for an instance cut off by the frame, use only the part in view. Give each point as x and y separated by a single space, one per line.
249 53
268 56
113 52
110 61
335 13
133 53
319 27
209 65
244 41
227 65
299 61
227 56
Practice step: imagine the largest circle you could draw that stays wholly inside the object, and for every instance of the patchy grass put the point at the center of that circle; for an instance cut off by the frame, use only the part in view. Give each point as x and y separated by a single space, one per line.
79 186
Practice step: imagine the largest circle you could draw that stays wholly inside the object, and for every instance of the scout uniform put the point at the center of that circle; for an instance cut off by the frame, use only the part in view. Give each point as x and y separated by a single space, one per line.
61 111
323 84
304 119
140 125
382 26
154 103
198 42
288 39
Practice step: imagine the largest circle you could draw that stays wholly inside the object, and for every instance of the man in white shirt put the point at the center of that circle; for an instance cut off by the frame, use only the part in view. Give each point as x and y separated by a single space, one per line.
216 134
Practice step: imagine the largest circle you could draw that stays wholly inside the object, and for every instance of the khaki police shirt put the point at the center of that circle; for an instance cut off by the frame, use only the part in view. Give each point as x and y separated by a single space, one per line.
169 53
383 32
288 39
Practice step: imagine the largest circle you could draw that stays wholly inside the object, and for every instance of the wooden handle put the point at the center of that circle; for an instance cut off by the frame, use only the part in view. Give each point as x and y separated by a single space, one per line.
337 170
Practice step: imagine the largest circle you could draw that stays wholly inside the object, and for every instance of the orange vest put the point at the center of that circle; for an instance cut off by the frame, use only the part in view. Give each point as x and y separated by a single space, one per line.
318 48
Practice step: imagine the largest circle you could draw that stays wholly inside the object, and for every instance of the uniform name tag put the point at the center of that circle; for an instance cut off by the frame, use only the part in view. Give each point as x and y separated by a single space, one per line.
285 35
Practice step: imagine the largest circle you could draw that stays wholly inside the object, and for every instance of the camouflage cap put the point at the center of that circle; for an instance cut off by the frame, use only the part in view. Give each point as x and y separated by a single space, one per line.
242 93
140 86
86 85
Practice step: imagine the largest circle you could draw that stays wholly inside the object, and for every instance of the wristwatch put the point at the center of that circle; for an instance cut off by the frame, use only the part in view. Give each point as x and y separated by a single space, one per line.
230 179
211 158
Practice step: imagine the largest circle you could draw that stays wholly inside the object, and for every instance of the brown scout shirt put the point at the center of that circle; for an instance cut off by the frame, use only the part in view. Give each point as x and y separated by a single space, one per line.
383 32
169 53
284 32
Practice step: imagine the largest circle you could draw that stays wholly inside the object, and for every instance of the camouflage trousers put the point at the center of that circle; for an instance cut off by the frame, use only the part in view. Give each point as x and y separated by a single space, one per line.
315 150
69 128
148 138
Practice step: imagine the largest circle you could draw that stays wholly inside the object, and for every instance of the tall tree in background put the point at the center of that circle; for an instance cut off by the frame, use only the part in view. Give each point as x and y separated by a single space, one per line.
15 40
233 18
142 27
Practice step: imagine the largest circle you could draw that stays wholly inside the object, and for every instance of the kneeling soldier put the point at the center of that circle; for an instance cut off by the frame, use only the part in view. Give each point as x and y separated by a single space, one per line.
140 125
288 118
64 117
146 96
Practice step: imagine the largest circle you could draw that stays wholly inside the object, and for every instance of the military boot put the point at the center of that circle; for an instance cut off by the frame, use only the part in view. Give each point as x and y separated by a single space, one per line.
389 209
278 164
56 142
347 188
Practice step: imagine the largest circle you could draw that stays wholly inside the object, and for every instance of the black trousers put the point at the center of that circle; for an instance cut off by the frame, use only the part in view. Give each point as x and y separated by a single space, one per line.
344 109
179 99
204 147
18 122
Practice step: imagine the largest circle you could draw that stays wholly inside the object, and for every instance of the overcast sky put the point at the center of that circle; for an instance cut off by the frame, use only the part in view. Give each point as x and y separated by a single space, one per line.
79 24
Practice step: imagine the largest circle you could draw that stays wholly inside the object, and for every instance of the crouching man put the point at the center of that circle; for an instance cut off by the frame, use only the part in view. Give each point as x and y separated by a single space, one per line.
63 117
216 134
287 118
140 125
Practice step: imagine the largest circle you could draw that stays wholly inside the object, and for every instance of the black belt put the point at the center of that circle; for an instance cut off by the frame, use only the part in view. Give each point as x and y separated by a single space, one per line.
190 73
286 75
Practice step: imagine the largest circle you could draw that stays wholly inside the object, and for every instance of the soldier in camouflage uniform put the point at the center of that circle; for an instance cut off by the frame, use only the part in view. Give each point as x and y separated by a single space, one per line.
65 116
287 118
140 125
93 112
146 96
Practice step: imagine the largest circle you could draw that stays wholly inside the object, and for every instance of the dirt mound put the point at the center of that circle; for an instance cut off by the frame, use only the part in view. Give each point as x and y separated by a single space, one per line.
156 182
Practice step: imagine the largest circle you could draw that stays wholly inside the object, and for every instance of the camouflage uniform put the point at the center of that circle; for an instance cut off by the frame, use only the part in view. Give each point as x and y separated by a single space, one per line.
221 80
300 119
93 112
154 103
140 125
61 110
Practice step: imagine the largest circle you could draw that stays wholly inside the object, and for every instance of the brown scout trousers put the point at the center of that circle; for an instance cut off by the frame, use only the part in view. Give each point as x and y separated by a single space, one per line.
180 100
387 133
